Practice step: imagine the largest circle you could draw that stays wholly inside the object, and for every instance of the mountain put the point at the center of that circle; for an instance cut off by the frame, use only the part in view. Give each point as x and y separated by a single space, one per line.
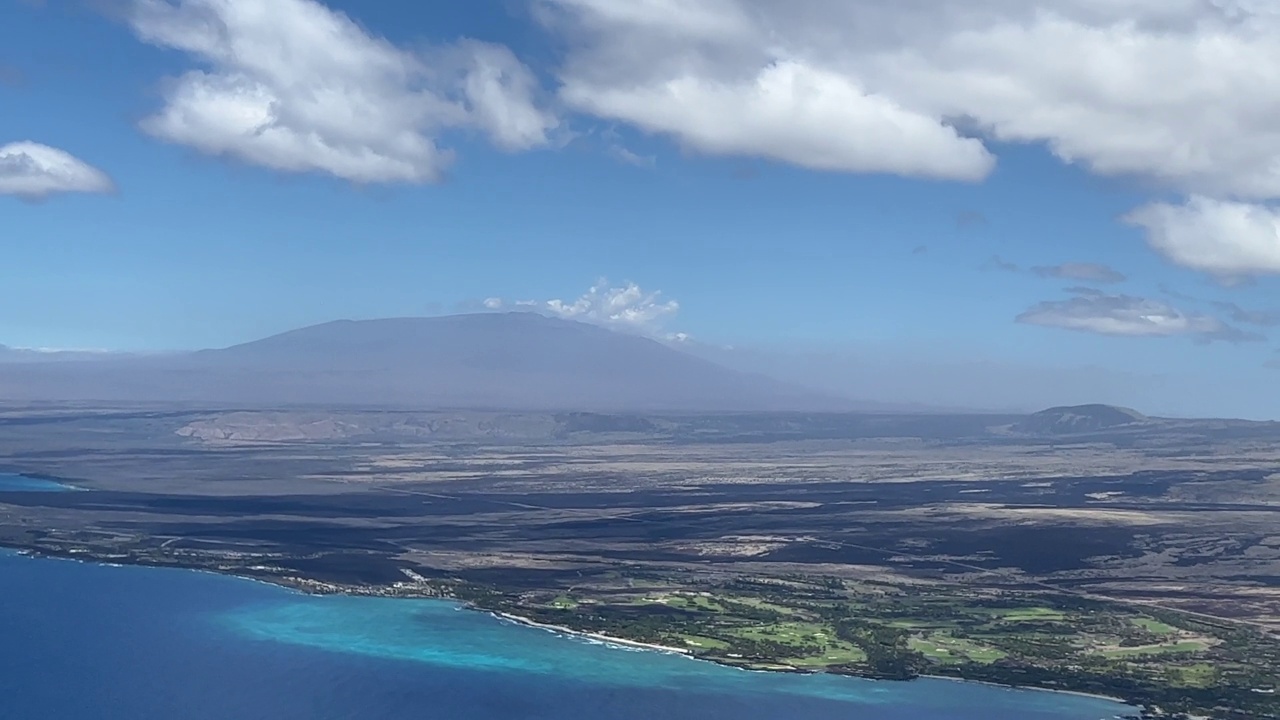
1081 419
492 360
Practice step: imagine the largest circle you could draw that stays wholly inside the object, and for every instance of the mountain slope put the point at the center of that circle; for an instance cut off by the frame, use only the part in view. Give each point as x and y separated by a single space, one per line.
1080 419
512 361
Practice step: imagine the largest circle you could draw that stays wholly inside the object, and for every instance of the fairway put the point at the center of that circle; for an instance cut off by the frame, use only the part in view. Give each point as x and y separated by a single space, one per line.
948 649
1154 626
1188 646
1028 614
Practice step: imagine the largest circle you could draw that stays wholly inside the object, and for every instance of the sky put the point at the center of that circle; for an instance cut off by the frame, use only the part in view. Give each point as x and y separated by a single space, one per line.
954 203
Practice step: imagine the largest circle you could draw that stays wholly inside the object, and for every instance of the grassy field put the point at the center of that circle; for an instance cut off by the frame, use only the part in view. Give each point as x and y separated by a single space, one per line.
838 653
1186 646
1198 675
936 629
788 633
904 632
1153 626
701 642
948 649
1028 614
765 605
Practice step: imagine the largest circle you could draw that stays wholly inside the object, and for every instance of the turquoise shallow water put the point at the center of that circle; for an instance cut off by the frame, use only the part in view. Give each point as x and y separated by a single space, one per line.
88 641
444 635
10 482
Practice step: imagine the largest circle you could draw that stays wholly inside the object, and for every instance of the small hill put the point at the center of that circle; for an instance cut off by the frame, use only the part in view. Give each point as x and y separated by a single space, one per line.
1080 419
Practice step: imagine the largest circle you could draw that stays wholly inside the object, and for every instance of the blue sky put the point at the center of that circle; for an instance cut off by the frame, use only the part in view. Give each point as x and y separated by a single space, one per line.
796 198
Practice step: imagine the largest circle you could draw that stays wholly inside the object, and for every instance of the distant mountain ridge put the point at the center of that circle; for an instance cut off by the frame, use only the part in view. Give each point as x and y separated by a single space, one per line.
488 360
522 363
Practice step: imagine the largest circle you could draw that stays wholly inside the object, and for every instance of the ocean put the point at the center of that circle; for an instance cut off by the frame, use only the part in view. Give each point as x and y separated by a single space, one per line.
97 642
10 482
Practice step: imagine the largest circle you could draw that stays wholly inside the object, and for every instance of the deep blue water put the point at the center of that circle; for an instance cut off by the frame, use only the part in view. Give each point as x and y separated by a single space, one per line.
10 482
84 641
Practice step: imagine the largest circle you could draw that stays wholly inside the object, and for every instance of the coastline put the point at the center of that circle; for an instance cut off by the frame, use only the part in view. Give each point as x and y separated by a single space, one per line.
1077 693
306 587
607 639
684 652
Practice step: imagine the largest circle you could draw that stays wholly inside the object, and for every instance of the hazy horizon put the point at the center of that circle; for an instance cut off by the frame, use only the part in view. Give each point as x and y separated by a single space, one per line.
867 383
792 185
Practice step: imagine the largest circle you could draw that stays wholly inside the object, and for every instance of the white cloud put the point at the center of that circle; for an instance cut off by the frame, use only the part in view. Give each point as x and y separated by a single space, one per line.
626 307
1182 94
501 95
697 19
1097 312
294 86
1179 93
1227 239
793 112
1175 90
34 171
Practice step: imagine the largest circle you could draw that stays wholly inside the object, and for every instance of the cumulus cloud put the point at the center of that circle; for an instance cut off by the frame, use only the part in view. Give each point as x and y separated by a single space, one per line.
1227 239
1097 312
1162 90
1170 91
1085 272
625 307
34 171
294 86
1175 93
499 93
793 112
